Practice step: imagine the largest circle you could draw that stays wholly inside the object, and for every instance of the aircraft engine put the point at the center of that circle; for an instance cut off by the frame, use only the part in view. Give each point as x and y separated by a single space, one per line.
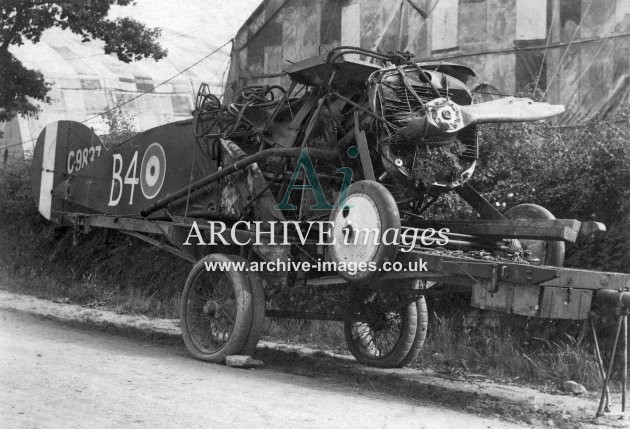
422 142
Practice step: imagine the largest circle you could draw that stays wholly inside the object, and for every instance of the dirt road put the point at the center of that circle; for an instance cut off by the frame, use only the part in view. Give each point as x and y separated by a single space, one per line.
53 375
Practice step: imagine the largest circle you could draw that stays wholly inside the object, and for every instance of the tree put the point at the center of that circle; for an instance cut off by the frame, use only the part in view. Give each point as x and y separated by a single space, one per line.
22 20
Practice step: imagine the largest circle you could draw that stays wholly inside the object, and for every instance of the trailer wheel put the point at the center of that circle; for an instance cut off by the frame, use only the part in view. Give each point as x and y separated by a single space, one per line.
216 310
421 332
387 336
370 209
258 314
549 252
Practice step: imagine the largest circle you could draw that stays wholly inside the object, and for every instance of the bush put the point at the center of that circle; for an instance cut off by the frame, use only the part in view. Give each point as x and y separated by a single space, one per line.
504 353
579 173
48 260
120 125
16 199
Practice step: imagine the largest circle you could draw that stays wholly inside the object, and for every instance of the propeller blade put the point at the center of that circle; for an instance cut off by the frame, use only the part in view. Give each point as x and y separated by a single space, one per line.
444 116
509 109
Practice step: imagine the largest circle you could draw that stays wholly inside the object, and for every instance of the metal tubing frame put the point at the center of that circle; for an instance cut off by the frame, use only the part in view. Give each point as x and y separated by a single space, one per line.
305 315
624 343
242 163
600 363
600 408
162 246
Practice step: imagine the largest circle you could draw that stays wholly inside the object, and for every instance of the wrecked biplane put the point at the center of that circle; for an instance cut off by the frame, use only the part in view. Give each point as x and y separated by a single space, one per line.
358 145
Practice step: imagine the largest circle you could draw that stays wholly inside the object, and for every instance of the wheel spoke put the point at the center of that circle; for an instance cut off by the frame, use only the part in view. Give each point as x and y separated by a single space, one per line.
380 325
226 314
211 311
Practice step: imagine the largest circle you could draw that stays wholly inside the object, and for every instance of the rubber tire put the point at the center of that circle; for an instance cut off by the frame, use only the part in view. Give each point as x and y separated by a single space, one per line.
414 332
258 314
421 333
244 309
390 218
554 250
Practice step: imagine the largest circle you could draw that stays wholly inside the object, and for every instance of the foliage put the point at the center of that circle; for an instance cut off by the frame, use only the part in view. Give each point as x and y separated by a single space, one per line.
15 193
22 20
504 353
450 206
121 127
48 260
18 83
577 173
580 173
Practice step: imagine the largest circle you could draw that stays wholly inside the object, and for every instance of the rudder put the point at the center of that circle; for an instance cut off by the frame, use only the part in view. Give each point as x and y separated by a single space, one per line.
62 148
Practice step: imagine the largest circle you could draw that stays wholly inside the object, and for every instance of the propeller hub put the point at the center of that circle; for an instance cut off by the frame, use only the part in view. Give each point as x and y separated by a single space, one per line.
445 115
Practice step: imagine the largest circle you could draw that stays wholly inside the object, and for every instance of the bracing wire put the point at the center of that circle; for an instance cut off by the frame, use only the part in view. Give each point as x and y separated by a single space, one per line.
555 73
542 62
106 111
158 85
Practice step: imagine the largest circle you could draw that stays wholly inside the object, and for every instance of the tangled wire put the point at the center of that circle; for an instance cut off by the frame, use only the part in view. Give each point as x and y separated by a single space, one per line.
394 57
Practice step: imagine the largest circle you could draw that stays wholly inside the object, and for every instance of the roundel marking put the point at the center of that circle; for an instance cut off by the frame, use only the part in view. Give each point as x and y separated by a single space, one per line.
152 170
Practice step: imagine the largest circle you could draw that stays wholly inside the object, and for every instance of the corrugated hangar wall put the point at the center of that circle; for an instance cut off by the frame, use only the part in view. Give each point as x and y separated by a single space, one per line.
574 52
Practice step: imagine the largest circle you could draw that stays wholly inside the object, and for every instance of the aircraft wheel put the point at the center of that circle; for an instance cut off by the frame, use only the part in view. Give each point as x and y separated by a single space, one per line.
388 332
549 252
216 311
370 210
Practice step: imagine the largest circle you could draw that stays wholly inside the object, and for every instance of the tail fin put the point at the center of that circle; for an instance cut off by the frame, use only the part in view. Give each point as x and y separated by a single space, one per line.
62 148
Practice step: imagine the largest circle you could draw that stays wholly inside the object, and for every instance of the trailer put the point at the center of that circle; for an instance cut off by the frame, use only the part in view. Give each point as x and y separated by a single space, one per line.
330 179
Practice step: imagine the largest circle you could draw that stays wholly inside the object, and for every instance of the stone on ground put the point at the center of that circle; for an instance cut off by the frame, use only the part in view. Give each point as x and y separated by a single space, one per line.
242 361
573 387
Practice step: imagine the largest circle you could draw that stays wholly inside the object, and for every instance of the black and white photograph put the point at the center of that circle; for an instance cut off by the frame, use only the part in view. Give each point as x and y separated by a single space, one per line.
314 213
